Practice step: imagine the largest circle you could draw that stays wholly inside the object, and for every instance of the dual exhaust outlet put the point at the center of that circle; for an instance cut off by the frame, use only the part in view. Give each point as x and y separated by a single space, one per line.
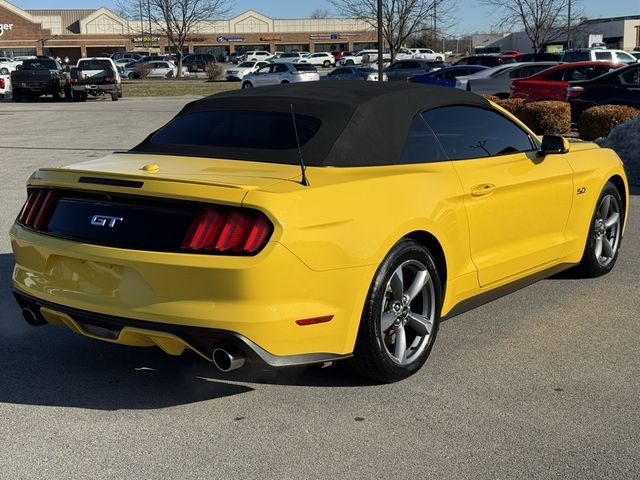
225 359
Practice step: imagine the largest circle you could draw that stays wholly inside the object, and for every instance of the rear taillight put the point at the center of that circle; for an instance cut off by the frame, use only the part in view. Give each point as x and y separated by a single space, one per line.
573 92
38 209
228 231
109 79
73 80
1 82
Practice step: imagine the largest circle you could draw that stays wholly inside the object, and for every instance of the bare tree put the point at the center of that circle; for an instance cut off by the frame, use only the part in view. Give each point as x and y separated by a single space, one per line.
176 19
543 20
320 13
401 19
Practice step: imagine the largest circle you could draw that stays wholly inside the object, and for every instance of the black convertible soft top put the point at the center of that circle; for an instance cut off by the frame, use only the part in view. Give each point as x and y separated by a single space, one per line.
362 123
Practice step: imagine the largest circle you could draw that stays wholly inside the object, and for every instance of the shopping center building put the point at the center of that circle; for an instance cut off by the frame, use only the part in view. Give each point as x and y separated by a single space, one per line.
79 33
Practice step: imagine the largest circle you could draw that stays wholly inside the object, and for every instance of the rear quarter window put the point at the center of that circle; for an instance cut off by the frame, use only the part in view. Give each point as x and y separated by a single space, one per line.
238 129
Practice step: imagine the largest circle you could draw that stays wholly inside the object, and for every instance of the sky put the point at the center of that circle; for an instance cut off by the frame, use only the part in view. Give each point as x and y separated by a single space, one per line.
471 15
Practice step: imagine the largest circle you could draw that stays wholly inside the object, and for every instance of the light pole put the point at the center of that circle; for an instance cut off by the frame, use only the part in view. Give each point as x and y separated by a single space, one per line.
569 26
380 46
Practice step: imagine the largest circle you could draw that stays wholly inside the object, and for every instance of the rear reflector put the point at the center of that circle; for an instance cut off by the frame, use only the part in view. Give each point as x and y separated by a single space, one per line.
314 321
228 231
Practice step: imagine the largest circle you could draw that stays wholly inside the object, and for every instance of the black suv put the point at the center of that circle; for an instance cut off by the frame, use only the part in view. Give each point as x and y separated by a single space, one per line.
198 61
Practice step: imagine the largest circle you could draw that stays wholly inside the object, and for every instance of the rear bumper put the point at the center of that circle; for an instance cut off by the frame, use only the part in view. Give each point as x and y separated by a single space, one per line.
173 339
255 299
107 87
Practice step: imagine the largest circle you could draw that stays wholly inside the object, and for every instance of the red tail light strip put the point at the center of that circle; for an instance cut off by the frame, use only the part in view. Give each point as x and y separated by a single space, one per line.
235 231
38 209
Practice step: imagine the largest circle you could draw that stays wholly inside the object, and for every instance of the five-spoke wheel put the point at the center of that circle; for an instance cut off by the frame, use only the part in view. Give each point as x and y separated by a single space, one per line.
401 314
605 233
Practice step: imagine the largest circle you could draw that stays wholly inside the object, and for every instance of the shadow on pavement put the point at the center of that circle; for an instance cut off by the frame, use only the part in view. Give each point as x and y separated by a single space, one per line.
54 367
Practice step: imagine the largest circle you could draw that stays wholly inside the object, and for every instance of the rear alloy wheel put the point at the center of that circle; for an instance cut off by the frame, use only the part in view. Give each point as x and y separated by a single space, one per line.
326 64
247 85
401 315
605 234
4 71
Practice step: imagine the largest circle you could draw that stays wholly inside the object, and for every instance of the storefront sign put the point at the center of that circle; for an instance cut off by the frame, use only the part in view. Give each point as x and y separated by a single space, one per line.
5 27
223 39
146 39
332 36
270 39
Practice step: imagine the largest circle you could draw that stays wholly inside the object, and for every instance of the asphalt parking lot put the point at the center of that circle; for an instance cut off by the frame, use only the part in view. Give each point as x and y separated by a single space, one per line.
544 383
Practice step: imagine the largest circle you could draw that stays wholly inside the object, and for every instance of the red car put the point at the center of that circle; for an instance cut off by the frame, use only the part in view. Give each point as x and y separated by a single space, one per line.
552 83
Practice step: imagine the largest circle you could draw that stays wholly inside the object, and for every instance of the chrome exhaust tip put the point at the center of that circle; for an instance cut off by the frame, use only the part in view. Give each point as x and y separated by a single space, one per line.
227 360
32 319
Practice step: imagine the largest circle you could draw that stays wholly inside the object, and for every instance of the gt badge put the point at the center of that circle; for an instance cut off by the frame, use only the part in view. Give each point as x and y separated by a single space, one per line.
581 190
105 221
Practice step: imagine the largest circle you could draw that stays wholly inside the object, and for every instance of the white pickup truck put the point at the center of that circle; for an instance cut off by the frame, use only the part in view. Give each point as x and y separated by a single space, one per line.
95 76
371 56
5 87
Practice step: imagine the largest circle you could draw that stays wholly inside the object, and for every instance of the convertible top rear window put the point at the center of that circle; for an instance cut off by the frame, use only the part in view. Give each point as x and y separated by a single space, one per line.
238 129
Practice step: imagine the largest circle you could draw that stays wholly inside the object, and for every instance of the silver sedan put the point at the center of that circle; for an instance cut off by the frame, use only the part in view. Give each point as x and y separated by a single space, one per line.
497 80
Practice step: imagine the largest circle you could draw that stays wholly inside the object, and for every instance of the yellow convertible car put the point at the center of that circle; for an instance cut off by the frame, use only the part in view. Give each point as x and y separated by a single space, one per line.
295 225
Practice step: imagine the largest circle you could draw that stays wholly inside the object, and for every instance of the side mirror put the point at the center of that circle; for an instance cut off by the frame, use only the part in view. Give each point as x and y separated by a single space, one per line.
554 144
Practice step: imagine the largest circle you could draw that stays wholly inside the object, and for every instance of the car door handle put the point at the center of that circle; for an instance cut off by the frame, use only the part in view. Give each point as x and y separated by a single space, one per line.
482 189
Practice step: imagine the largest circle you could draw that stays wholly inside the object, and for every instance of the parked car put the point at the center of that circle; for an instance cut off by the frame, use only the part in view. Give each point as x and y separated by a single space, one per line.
163 69
446 77
38 76
8 66
403 69
357 58
198 61
552 83
236 251
619 87
355 73
427 54
497 81
320 59
597 55
486 60
281 73
5 87
95 76
286 57
539 57
338 54
237 73
132 56
257 56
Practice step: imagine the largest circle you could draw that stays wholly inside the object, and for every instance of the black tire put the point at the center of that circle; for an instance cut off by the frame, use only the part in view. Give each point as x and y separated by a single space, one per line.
114 96
596 261
132 76
349 62
326 64
169 74
120 93
247 85
372 357
438 59
4 71
284 82
56 95
17 96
